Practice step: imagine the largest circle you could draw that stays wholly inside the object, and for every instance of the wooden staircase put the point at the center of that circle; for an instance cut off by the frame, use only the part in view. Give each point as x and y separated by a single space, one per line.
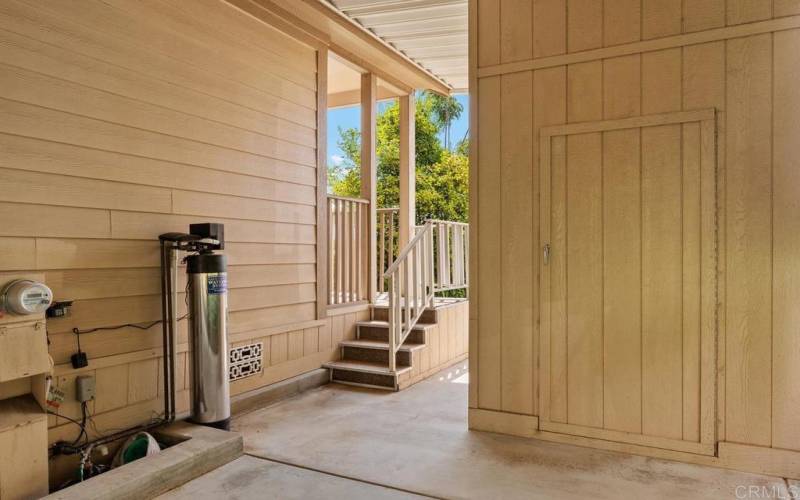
365 360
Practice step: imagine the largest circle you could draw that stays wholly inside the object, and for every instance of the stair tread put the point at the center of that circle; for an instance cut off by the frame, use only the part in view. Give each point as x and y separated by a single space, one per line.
378 344
375 323
365 366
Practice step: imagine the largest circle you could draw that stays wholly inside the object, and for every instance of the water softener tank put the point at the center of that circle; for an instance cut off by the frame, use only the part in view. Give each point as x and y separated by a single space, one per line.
208 342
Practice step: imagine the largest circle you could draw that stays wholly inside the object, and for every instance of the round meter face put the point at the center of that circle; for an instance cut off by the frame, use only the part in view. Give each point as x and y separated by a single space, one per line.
28 297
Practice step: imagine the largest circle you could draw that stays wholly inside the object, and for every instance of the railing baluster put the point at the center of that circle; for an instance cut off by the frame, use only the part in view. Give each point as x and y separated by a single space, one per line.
459 262
337 252
349 254
414 282
348 237
331 250
423 264
381 249
360 241
391 237
465 253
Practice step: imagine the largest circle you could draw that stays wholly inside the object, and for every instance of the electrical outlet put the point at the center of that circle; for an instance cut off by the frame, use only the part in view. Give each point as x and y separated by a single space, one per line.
85 385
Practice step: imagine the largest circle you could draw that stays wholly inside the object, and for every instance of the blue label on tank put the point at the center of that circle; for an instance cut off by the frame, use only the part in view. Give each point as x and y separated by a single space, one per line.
217 284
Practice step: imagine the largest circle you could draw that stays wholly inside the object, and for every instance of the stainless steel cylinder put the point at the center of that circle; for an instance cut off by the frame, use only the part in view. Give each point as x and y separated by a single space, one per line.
208 340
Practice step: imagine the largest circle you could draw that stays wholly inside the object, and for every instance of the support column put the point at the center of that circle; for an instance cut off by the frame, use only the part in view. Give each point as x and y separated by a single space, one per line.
369 176
408 183
322 183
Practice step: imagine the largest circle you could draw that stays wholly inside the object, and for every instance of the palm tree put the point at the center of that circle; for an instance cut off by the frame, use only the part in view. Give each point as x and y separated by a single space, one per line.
446 109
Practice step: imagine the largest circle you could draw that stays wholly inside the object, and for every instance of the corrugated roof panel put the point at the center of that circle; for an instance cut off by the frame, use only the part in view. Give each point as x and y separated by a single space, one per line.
431 32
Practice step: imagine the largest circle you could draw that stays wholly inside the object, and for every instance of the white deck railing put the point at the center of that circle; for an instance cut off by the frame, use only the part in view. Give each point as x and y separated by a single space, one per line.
451 263
435 260
411 288
347 252
388 220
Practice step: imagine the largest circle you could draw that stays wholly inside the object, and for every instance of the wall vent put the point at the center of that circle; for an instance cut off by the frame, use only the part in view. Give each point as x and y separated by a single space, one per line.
245 361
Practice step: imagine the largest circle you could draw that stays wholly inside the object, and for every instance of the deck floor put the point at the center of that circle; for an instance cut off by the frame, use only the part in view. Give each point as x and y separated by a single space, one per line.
345 442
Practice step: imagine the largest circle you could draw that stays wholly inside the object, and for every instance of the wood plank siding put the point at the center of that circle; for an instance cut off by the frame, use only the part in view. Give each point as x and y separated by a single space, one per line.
666 317
122 120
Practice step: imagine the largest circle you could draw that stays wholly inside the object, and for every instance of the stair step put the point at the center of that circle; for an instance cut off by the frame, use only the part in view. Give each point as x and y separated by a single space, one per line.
379 344
364 366
376 323
364 373
381 313
377 351
379 330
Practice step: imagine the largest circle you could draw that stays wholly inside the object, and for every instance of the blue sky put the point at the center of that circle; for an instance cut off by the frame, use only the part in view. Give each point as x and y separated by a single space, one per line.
351 118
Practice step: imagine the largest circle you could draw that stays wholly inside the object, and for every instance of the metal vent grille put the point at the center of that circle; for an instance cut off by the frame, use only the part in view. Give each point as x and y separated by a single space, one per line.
246 361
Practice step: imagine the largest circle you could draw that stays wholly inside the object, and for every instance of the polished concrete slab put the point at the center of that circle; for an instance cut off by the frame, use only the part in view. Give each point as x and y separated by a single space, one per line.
249 477
417 440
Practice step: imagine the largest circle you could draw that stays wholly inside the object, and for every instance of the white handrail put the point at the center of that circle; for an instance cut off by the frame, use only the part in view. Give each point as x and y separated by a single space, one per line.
411 288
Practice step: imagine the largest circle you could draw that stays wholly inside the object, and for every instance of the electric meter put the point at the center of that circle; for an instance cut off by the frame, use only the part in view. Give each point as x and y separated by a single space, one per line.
25 297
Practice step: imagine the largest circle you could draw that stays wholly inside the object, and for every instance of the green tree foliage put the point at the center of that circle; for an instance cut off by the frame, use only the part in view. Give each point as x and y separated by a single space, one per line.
442 175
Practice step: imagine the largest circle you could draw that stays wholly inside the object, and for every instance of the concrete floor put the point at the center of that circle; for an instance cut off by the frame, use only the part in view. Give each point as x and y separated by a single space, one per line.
250 477
417 441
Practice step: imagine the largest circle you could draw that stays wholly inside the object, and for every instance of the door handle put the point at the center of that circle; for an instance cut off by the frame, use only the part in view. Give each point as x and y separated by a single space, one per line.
546 253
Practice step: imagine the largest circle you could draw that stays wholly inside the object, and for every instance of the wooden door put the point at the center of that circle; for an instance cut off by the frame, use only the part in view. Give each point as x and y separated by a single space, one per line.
628 316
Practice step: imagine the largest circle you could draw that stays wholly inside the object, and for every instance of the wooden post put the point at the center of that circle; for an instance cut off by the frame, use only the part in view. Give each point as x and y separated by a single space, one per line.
408 183
322 183
369 176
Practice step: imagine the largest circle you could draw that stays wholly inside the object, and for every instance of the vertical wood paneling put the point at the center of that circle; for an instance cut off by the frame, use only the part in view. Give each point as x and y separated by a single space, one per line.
549 108
621 247
488 32
662 346
754 283
584 31
704 87
585 92
661 81
622 90
786 241
691 234
622 22
557 362
661 18
747 11
295 345
622 386
704 76
279 348
584 280
516 174
516 36
549 27
749 254
785 7
489 245
698 16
